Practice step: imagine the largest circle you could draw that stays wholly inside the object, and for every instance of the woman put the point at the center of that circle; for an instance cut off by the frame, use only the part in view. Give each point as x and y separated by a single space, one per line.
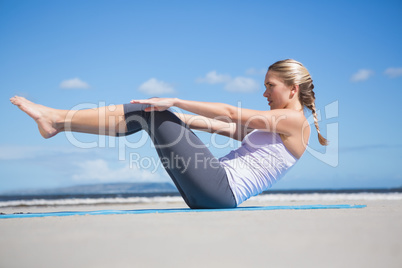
272 141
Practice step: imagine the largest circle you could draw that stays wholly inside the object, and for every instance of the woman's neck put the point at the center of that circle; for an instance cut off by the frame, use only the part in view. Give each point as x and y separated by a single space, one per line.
295 105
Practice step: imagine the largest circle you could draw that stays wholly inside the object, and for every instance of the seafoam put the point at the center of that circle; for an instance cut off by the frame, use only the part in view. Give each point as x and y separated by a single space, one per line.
178 199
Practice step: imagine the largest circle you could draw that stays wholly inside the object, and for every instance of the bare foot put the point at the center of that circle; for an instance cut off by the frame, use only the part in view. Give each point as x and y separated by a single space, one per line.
45 117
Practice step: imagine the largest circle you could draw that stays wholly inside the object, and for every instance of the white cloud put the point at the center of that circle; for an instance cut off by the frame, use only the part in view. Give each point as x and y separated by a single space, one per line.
99 170
393 72
8 152
362 75
16 152
214 78
237 84
155 87
242 84
254 71
74 83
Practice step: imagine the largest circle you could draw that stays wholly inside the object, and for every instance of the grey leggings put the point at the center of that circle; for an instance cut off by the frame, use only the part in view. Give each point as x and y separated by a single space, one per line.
197 174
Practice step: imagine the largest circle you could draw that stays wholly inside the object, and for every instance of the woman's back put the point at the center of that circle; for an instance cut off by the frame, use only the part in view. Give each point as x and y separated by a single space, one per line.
259 162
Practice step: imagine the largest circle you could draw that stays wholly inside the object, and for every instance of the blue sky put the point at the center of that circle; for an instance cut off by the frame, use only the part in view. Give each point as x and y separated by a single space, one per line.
82 54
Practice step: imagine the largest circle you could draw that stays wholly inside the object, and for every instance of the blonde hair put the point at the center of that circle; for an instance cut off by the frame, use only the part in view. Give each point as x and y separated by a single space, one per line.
294 73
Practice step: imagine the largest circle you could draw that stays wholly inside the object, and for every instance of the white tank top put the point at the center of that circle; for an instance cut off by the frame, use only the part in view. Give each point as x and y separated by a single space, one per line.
259 162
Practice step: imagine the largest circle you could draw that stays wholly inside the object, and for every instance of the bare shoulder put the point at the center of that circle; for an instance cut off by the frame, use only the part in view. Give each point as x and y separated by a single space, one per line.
297 123
285 121
287 114
297 133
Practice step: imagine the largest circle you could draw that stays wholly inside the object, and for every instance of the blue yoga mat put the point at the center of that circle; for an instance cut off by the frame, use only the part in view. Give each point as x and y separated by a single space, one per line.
171 210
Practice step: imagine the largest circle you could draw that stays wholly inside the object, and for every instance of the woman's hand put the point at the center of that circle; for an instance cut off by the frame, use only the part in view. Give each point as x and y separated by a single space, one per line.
157 104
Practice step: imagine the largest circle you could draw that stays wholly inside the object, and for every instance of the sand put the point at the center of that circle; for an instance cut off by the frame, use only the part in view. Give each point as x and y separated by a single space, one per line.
368 237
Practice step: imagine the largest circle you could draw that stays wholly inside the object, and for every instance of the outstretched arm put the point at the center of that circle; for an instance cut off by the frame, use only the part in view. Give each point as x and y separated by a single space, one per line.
199 122
284 121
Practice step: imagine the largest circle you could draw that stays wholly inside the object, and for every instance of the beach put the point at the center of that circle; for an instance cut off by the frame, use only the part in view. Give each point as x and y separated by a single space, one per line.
360 237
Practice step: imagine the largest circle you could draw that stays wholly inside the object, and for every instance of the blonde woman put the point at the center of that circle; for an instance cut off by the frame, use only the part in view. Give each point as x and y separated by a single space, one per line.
272 140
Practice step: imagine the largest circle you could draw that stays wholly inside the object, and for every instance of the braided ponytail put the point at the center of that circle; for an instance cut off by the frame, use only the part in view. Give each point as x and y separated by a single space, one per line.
294 73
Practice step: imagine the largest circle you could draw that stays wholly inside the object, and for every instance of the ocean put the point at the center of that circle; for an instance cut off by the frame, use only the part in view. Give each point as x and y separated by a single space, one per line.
142 193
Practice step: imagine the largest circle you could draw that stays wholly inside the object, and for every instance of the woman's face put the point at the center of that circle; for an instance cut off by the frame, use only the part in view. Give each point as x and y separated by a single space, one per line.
277 92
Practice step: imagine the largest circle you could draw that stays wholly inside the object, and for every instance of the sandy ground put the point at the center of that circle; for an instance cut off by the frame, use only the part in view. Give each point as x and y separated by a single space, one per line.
368 237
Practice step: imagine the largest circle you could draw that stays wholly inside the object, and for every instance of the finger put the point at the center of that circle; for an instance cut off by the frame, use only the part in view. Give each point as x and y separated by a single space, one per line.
141 101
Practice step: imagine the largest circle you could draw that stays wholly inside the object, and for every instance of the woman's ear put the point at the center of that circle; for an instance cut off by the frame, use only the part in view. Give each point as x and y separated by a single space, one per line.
294 91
